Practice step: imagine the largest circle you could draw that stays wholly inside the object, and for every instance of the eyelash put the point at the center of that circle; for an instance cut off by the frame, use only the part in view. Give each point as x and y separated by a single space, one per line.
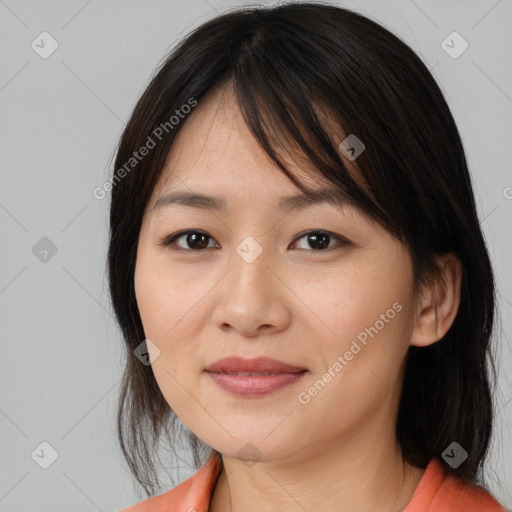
170 240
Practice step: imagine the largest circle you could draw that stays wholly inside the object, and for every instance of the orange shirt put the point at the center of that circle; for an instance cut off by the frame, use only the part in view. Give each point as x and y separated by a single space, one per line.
436 492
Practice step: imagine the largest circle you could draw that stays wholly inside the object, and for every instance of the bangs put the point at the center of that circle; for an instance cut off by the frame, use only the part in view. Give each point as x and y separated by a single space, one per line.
290 112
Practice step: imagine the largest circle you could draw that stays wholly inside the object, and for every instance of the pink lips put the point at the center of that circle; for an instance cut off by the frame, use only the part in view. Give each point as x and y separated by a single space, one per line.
253 377
260 364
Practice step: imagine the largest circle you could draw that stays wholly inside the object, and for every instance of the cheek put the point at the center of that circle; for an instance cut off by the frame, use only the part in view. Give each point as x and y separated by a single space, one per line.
361 341
362 314
346 302
169 305
166 308
164 298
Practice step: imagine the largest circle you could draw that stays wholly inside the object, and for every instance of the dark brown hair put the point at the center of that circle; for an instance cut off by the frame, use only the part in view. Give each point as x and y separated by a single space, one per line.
293 67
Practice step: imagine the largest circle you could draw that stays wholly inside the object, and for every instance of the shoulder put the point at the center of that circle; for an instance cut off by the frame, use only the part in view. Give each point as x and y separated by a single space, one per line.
457 496
192 495
440 491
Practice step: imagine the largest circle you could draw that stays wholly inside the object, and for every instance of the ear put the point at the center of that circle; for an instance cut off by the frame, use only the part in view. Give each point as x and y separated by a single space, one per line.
439 303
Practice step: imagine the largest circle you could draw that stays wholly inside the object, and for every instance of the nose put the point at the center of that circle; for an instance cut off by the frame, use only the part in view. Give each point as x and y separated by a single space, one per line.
252 299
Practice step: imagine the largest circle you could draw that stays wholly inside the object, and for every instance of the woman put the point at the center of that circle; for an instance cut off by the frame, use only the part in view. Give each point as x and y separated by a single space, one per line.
298 270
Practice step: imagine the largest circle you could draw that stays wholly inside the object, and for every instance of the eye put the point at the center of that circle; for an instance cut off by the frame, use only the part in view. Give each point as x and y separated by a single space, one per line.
196 241
320 240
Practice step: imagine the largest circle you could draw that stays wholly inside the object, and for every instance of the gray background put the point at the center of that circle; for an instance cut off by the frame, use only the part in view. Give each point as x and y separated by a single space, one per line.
60 121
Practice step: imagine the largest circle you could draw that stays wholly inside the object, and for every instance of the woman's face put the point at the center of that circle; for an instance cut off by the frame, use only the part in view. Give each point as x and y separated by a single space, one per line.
256 285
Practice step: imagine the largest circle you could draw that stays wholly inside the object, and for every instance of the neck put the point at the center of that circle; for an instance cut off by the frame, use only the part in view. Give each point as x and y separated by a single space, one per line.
366 472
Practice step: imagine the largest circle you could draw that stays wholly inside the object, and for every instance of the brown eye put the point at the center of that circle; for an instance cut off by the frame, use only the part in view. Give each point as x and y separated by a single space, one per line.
320 240
192 240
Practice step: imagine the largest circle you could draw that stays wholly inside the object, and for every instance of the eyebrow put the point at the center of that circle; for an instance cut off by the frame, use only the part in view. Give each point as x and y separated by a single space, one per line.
336 197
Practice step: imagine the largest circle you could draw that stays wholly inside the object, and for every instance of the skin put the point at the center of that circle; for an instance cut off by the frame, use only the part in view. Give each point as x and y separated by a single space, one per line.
293 303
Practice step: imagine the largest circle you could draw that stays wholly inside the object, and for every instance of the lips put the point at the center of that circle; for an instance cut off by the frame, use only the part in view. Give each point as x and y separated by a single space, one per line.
253 378
259 366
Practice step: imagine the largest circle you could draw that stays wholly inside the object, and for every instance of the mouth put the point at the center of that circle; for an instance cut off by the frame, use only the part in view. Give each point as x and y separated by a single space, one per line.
253 377
255 384
235 365
254 374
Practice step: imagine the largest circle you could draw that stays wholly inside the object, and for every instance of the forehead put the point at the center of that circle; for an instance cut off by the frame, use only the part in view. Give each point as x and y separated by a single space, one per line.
215 146
215 149
216 138
217 164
